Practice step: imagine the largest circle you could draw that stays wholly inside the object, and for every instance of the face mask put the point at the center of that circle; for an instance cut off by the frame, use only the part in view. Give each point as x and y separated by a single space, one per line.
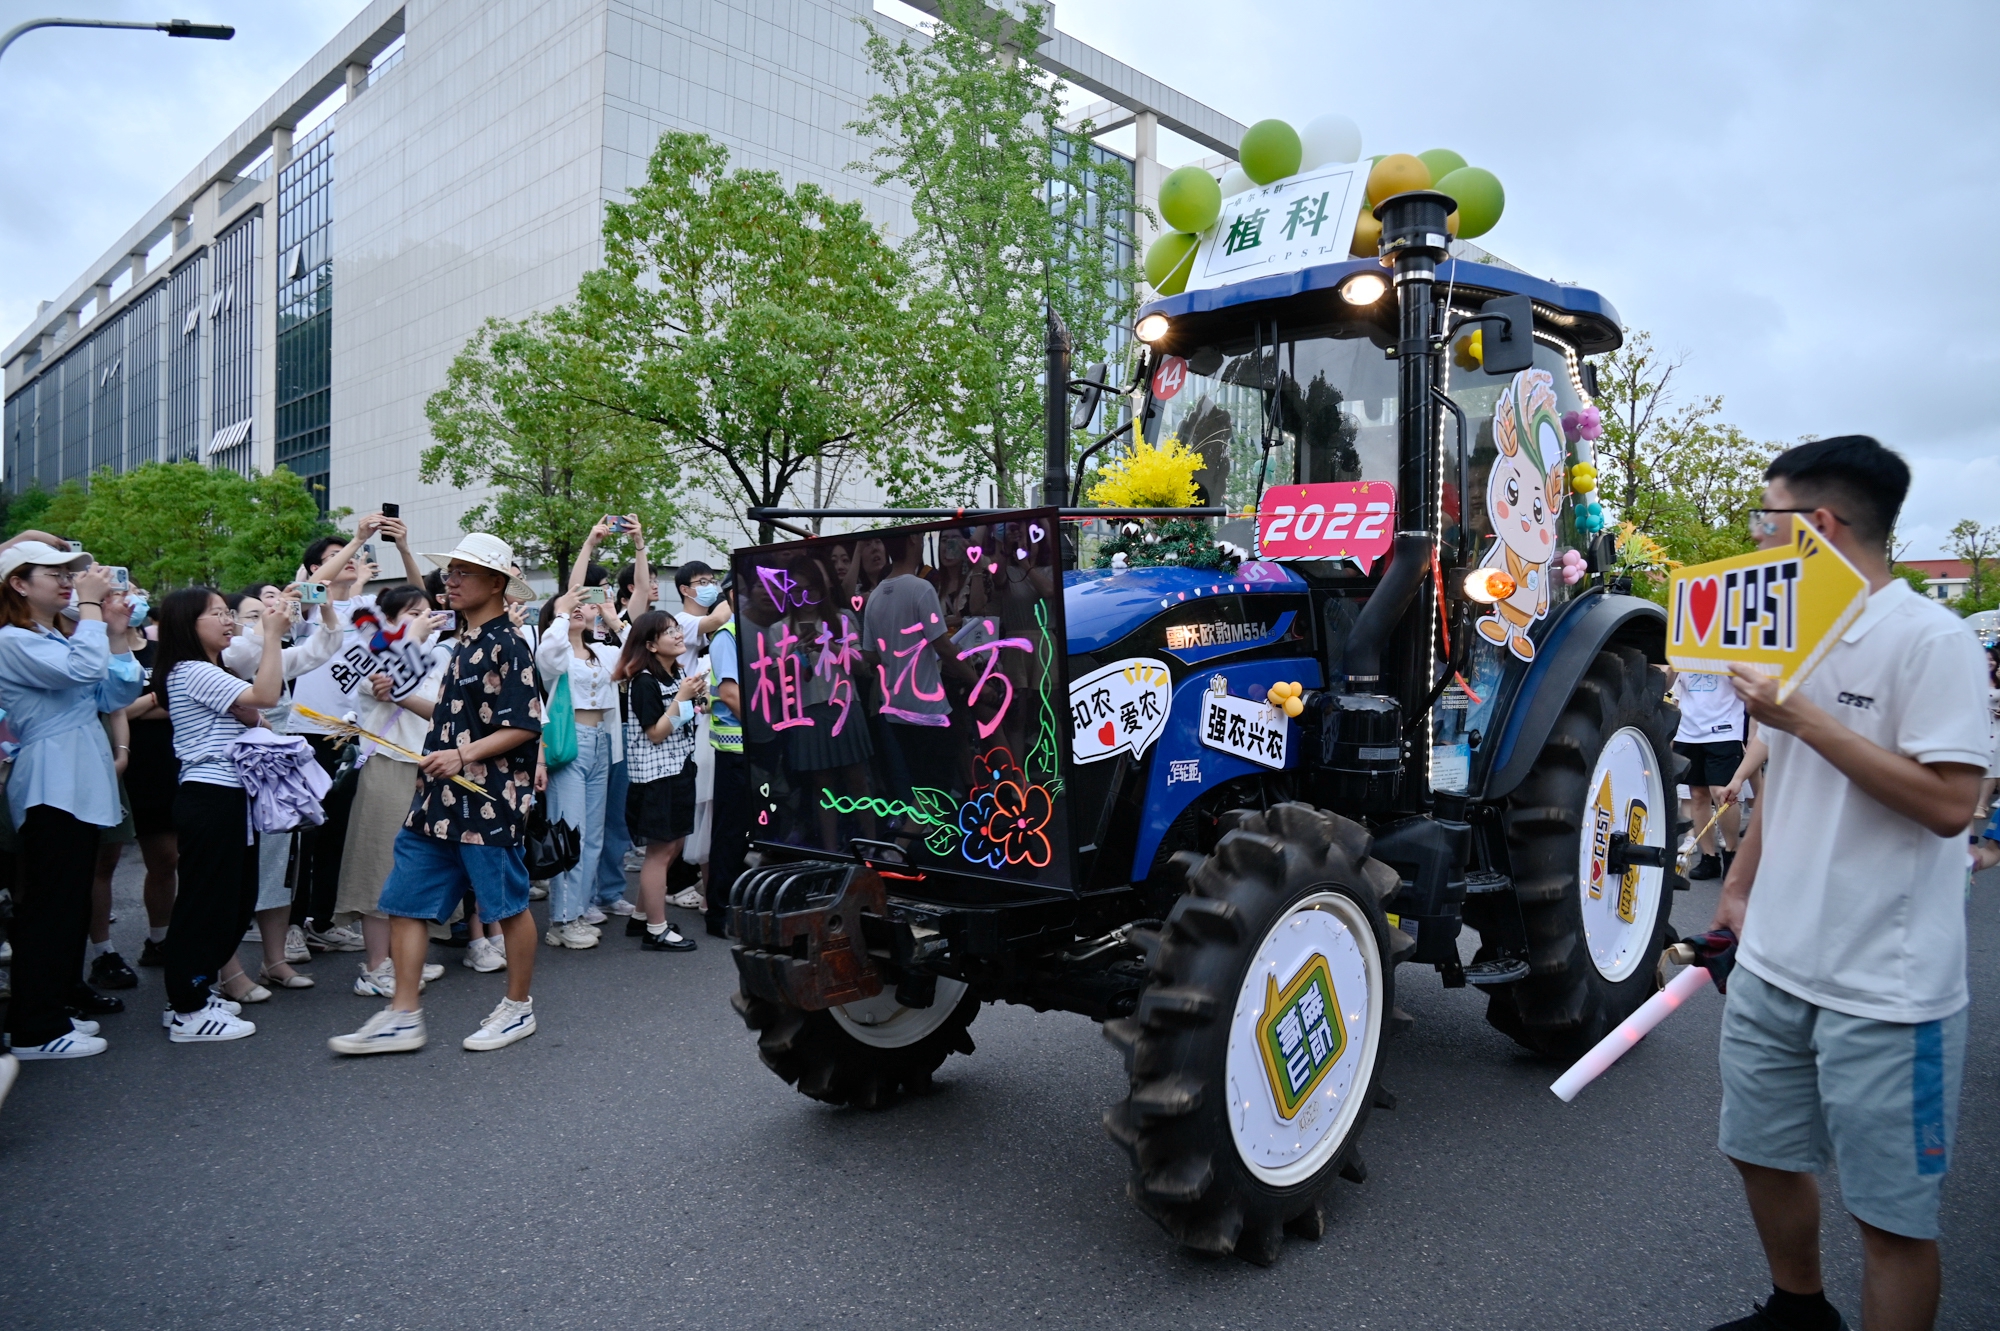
707 594
139 612
686 711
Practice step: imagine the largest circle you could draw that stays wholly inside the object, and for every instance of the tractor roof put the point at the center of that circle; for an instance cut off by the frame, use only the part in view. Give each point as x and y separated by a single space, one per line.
1102 605
1581 314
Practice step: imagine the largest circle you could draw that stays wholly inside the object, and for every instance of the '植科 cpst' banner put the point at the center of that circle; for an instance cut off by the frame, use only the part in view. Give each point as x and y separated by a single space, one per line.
1282 227
1773 611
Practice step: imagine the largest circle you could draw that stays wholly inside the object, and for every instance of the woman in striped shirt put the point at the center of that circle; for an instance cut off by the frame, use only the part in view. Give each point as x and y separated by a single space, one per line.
209 708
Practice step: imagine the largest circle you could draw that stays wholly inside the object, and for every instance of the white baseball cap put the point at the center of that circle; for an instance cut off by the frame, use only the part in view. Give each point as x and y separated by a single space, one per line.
488 552
17 557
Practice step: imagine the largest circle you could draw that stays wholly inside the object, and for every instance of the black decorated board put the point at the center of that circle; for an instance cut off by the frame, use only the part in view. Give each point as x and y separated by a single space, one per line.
907 686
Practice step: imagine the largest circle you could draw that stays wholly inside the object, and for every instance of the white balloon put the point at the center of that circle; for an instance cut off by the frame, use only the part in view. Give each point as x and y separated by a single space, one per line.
1234 182
1330 138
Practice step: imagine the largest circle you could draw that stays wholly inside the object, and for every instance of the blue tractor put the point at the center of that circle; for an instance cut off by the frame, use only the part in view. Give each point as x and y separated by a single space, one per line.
1217 803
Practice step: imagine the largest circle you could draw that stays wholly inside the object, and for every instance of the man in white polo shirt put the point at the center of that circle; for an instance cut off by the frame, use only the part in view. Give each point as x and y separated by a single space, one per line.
1844 1035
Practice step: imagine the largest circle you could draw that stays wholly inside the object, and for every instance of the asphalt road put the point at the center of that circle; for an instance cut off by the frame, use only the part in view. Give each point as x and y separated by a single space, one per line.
633 1164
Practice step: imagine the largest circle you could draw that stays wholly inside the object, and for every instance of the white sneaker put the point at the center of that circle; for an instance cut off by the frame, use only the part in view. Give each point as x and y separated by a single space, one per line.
74 1045
574 934
687 898
622 907
337 938
382 983
253 934
635 858
592 915
505 1024
84 1026
296 950
387 1032
481 955
209 1025
229 1005
10 1068
538 891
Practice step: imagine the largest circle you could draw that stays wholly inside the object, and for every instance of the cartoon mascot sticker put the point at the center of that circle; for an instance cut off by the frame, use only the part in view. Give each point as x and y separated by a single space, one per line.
1524 498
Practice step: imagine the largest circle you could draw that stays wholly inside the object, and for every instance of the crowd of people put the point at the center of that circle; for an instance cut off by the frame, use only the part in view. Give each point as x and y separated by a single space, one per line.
448 731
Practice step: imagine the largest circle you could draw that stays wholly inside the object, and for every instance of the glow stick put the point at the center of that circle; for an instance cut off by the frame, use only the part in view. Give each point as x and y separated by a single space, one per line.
348 727
1630 1031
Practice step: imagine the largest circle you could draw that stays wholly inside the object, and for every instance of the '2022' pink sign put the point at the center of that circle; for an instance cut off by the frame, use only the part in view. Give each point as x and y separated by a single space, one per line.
1329 520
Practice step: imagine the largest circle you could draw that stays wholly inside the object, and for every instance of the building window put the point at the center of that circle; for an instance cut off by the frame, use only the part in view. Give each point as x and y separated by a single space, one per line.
142 377
232 322
107 397
183 362
76 391
305 316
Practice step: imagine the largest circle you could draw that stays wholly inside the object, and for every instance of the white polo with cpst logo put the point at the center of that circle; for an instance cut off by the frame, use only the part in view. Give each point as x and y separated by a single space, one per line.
1857 908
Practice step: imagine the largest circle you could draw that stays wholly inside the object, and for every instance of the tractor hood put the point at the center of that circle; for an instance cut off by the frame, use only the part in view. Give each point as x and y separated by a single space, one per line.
1102 605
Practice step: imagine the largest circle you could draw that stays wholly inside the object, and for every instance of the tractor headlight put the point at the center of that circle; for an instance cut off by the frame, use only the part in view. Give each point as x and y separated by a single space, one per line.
1151 328
1487 585
1364 289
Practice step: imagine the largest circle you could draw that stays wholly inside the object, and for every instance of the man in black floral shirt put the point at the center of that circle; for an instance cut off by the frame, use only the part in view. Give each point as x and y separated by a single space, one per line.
483 732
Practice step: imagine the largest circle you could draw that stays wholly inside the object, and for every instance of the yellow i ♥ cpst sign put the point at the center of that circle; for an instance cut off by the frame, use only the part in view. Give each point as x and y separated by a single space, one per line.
1773 611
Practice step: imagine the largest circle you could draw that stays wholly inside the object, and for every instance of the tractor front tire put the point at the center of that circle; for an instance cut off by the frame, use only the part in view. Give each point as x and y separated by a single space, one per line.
867 1054
1254 1051
1594 940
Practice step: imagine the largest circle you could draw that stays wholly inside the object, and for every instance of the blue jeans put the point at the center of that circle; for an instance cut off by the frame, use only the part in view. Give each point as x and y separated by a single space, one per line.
431 876
576 795
617 840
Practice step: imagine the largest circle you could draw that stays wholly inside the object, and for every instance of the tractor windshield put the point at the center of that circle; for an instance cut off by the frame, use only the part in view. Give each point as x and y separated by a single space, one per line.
1317 405
1309 408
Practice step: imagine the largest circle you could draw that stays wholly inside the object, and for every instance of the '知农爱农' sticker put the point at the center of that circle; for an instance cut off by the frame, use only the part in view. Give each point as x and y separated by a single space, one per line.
1119 708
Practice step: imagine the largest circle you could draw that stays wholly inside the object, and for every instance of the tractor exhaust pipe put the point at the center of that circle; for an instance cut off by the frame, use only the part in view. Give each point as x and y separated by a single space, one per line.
1409 560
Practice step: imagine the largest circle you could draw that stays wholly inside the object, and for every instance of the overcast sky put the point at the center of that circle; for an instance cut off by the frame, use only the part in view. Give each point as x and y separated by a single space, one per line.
1790 195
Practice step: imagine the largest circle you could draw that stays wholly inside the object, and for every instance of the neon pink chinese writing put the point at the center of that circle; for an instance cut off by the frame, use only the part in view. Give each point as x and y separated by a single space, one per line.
909 656
837 658
785 690
991 651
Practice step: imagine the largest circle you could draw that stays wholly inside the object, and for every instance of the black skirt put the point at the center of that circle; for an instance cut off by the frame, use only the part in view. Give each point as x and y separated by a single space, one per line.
152 777
662 810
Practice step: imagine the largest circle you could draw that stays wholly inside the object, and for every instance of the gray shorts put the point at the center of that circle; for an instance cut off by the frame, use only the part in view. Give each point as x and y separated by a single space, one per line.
1803 1085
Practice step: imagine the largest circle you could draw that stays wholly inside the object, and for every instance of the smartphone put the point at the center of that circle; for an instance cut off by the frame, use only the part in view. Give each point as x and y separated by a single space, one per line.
121 580
312 593
368 551
595 595
392 510
444 620
616 523
76 547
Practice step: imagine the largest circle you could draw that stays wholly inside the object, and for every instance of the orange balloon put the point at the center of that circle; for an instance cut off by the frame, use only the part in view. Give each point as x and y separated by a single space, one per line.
1398 173
1367 236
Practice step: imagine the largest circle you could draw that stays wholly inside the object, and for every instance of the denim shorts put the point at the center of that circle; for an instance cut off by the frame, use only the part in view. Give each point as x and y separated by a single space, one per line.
431 876
1803 1085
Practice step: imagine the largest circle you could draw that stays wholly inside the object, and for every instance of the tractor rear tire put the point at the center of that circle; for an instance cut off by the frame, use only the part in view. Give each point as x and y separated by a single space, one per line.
1588 967
859 1056
1288 895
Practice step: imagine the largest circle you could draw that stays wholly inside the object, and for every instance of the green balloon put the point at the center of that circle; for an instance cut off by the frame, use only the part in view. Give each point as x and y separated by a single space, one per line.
1441 161
1270 151
1169 260
1190 200
1480 199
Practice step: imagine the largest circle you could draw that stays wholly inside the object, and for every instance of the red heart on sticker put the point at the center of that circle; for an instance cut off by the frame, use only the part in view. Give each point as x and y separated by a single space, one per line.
1106 734
1703 594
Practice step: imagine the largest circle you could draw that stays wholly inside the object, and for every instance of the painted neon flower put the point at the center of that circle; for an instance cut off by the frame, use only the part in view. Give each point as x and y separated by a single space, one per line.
1016 822
995 767
972 819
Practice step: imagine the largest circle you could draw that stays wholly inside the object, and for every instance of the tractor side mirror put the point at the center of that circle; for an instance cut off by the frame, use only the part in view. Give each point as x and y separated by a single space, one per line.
1089 392
1508 344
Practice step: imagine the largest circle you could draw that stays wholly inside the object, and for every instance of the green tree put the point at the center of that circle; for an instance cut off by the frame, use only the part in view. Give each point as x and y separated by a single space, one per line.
23 510
755 334
1673 469
1013 213
174 524
513 419
1976 547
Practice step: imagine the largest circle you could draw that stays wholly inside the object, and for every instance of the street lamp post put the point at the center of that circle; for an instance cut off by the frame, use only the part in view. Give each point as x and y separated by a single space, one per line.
173 27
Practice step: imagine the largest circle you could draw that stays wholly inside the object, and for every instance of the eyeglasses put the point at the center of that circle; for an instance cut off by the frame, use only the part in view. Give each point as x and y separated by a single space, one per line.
64 577
223 613
461 574
1763 521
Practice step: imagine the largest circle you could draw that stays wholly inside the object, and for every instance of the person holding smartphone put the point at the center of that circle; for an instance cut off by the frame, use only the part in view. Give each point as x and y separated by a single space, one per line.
56 677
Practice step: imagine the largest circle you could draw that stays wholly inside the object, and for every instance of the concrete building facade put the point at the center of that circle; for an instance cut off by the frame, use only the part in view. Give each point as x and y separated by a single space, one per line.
295 299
